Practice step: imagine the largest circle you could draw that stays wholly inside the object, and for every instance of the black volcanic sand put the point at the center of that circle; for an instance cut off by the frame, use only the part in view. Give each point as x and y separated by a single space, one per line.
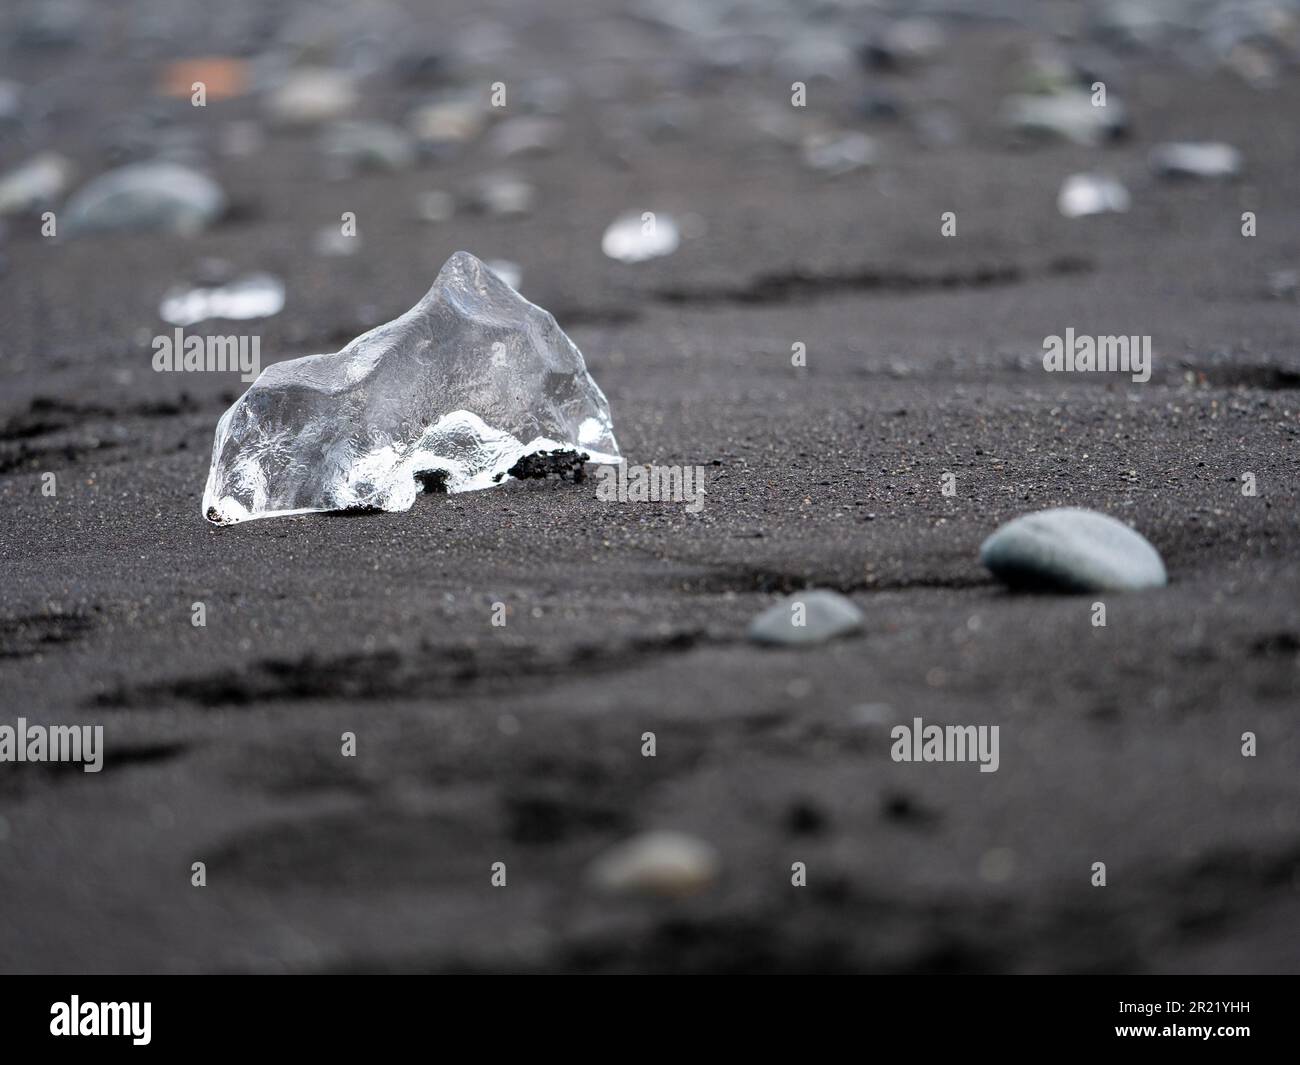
522 743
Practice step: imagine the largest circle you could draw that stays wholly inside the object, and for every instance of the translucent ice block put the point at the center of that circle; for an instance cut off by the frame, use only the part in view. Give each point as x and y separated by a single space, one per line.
455 392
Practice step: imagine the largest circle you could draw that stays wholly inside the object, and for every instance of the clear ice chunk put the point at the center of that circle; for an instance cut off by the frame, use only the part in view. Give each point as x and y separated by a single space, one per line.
254 296
454 392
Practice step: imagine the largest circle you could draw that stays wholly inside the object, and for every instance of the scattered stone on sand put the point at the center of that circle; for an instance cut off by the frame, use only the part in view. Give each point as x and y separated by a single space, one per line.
332 242
36 184
254 296
525 135
1088 194
50 23
465 384
838 153
636 236
152 196
810 617
11 100
657 863
1071 549
352 145
781 125
503 195
240 139
1068 116
903 43
222 77
1193 159
1253 63
509 272
311 96
1048 69
448 121
938 127
548 94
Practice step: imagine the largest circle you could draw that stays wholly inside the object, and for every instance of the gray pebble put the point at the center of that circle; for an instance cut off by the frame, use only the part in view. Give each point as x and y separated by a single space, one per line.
1207 159
351 145
807 618
1070 549
147 196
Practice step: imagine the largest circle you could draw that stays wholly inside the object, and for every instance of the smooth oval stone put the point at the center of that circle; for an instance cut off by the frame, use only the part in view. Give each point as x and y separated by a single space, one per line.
657 863
311 96
1075 550
1196 160
825 615
154 196
35 184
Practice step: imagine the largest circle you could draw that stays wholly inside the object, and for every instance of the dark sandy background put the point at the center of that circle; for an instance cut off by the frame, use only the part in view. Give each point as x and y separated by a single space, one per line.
522 744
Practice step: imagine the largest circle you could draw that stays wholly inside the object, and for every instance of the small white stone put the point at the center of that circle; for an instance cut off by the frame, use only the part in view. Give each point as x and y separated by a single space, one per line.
633 237
311 96
1197 160
657 863
1087 194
